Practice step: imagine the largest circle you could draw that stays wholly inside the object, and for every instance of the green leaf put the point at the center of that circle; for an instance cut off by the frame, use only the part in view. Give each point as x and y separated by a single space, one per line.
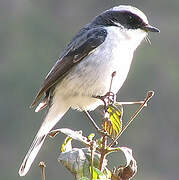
91 136
97 174
114 123
99 143
66 146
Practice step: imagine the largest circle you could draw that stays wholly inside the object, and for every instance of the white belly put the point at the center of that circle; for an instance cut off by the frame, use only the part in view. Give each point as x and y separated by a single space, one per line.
92 76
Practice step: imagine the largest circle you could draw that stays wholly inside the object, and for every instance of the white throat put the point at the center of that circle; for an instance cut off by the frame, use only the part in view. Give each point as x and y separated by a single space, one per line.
130 38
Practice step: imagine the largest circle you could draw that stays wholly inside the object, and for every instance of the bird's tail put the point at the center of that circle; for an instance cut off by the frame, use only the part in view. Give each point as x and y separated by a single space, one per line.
53 116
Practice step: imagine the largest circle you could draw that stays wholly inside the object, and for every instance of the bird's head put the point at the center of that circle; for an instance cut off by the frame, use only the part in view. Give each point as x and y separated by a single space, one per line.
131 21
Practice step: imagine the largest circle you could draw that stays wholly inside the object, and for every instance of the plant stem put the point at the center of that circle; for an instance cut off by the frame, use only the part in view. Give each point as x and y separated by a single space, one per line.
42 166
92 158
103 152
91 120
131 103
104 138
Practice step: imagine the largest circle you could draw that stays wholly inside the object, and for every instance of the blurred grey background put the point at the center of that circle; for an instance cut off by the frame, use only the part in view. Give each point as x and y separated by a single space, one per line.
32 35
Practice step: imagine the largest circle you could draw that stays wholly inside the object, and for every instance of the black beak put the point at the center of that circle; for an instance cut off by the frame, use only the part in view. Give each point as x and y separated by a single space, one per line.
149 28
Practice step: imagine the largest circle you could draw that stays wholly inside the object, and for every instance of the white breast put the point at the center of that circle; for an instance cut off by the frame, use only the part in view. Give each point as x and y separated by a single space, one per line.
92 76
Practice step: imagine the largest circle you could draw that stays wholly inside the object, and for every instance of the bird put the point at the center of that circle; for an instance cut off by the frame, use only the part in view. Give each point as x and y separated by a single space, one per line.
83 70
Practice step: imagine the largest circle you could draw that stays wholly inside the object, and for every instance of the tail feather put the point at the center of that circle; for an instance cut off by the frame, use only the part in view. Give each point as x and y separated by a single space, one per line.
29 158
54 114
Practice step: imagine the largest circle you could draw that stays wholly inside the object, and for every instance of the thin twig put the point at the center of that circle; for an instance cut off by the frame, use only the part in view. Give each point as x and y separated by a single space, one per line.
96 126
131 103
42 166
92 121
112 77
110 87
148 97
92 158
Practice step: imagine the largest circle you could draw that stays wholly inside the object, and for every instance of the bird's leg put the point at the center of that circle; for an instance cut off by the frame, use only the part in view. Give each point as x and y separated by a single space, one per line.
108 98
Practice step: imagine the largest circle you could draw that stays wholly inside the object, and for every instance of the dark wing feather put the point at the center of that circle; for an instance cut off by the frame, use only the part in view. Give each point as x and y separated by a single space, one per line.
80 47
